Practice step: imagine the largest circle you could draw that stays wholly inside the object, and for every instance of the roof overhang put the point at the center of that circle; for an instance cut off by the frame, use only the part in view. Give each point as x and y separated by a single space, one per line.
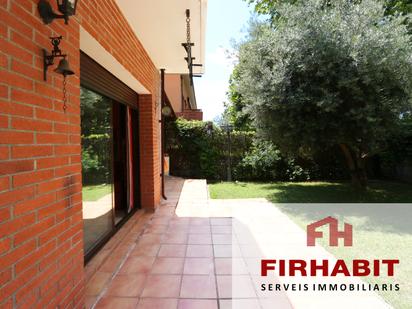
160 25
90 46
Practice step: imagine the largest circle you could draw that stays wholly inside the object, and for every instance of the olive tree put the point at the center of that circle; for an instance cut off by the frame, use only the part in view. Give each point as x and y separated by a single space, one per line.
336 75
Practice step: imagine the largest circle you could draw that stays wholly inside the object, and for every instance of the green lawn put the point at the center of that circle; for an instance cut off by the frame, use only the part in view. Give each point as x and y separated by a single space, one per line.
314 192
380 230
94 193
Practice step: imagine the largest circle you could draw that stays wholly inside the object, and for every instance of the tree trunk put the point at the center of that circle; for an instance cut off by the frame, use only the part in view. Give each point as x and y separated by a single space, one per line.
356 167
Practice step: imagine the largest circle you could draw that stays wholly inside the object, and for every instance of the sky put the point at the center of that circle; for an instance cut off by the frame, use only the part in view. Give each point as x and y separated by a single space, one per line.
227 21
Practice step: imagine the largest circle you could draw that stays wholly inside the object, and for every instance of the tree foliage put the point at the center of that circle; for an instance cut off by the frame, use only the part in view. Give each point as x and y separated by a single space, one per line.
235 113
328 75
96 134
394 7
270 7
199 151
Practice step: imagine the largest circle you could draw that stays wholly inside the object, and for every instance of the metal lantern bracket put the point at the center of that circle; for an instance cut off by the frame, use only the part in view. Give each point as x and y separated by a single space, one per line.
188 48
48 59
63 68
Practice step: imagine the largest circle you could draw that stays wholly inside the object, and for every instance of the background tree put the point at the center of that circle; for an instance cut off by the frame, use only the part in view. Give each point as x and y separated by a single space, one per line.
235 113
96 130
269 7
394 7
335 75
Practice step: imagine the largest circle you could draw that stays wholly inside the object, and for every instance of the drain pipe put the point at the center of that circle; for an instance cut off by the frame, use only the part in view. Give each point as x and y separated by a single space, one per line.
162 124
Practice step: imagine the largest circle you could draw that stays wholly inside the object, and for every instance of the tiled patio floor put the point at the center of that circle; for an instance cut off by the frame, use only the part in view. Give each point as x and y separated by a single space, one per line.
193 253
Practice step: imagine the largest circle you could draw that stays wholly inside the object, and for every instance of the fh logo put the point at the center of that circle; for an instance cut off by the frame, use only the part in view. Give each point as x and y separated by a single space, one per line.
334 233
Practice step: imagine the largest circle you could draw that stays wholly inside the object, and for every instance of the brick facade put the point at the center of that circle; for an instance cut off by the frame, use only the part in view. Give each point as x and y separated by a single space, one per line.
41 225
191 114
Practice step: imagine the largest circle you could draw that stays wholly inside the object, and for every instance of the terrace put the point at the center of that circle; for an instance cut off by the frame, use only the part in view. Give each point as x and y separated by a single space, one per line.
199 253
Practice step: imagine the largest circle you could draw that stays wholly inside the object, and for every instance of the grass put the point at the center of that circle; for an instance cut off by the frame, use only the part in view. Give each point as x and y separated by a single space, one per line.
314 192
380 230
94 193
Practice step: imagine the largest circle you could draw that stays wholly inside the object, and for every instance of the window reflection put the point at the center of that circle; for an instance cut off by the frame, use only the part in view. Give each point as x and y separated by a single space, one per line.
97 173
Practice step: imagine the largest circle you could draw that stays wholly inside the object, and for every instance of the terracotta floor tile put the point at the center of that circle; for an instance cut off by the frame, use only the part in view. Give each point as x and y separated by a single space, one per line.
126 286
172 250
178 238
198 304
177 229
89 301
198 286
227 251
165 211
198 266
200 229
221 221
223 239
137 264
117 302
235 287
179 221
200 222
150 239
161 220
124 248
145 250
229 266
168 266
97 283
111 264
156 229
221 229
200 239
162 286
241 304
157 303
199 251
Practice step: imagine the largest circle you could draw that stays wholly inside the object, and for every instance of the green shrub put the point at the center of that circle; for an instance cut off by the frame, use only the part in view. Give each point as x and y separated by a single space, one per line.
264 162
198 150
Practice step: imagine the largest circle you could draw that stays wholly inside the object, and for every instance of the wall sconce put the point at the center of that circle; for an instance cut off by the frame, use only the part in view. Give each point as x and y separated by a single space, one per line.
63 68
67 8
166 111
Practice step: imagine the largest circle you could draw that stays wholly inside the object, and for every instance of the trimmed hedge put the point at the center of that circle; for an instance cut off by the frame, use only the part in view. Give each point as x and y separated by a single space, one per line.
200 150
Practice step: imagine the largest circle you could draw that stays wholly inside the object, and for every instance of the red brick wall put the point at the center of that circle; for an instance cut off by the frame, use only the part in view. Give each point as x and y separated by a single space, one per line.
191 114
41 227
105 22
149 154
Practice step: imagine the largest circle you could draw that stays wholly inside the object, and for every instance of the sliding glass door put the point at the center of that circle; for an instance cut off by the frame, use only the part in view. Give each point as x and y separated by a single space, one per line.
97 166
110 165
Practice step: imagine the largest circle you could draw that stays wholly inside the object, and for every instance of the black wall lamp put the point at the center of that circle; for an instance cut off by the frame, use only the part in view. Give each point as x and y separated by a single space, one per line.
67 8
48 59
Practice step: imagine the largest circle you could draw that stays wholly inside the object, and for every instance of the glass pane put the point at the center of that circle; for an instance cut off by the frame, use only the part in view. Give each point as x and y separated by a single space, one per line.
97 138
120 160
